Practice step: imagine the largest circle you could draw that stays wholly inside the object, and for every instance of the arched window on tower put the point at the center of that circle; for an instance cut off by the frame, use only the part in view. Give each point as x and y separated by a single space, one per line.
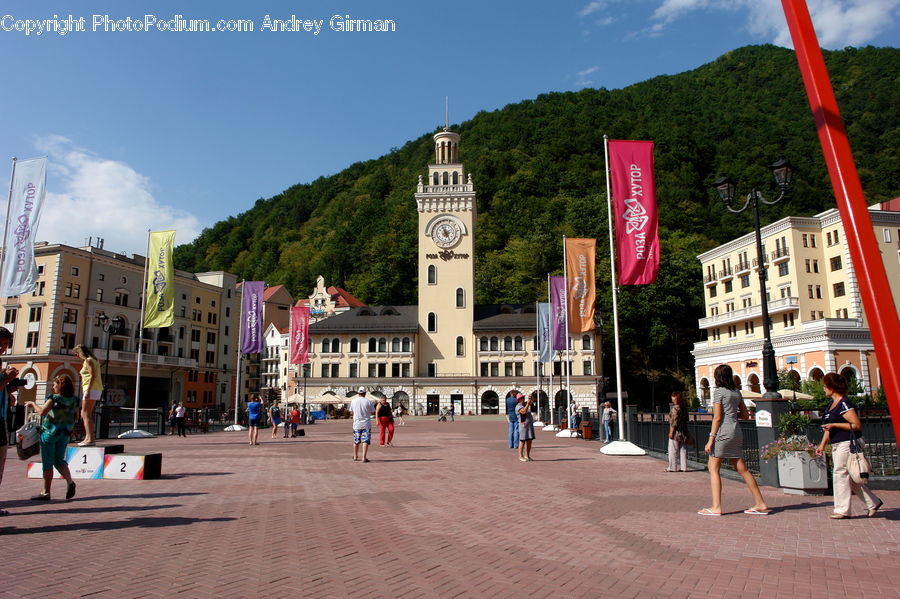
460 298
373 345
432 274
432 322
460 346
335 346
507 343
446 178
436 179
382 344
354 346
455 178
326 346
395 345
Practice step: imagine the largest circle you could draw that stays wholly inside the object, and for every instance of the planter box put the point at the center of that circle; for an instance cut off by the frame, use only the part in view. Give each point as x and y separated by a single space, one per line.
800 474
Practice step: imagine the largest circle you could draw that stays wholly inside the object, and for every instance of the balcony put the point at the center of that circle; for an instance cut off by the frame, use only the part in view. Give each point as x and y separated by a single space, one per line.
780 255
152 359
756 263
726 274
787 304
709 279
741 268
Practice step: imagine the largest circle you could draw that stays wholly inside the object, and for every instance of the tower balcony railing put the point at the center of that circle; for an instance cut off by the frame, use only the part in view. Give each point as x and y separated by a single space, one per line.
726 273
710 279
780 255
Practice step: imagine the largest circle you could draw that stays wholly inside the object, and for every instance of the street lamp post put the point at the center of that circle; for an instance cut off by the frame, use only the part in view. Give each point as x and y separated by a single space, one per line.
783 172
110 327
305 412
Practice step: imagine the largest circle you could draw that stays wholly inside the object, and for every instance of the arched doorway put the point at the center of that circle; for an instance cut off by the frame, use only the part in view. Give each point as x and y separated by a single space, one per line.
753 382
795 376
737 382
704 390
849 373
816 374
400 398
490 403
561 400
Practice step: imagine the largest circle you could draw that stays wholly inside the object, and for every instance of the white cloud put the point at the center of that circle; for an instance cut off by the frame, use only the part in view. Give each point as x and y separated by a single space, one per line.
838 23
583 76
592 7
90 196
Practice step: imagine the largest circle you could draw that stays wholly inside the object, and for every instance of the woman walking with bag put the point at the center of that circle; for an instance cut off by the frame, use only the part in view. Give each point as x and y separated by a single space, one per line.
678 433
59 413
842 428
385 421
726 442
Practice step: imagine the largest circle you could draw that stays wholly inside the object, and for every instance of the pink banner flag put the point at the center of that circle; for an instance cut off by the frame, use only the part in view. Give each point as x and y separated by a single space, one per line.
636 218
558 332
299 335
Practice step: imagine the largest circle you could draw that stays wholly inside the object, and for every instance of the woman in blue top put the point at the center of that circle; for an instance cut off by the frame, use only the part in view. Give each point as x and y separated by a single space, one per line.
58 413
254 411
841 424
726 443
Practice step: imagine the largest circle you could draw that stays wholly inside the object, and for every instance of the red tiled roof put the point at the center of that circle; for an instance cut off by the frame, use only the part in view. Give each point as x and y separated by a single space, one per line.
342 298
270 291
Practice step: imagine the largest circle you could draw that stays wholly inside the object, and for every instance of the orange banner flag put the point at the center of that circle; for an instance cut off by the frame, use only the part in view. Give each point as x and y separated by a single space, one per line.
581 285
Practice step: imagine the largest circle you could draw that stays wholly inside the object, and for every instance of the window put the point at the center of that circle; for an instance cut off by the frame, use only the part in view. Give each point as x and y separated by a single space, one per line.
508 369
68 290
812 314
586 342
815 266
828 237
818 292
373 345
887 235
484 368
395 345
460 346
34 315
326 368
518 344
121 298
326 346
432 369
748 327
100 296
395 370
10 316
75 271
836 264
810 287
839 290
507 343
195 335
39 290
67 343
432 322
31 342
371 371
483 343
354 346
788 319
354 370
335 346
836 238
382 344
588 368
745 281
432 274
495 369
812 240
786 291
335 370
805 239
210 337
210 357
404 370
495 343
727 286
821 315
70 315
808 265
460 298
712 291
407 347
783 269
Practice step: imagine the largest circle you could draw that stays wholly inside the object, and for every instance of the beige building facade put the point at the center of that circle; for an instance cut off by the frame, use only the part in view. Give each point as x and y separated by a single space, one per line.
817 318
446 350
190 361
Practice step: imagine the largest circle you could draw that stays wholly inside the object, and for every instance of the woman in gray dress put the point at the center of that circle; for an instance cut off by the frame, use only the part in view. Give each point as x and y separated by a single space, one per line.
526 426
726 442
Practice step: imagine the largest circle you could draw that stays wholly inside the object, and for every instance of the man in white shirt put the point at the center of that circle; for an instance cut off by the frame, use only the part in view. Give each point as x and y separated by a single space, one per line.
362 409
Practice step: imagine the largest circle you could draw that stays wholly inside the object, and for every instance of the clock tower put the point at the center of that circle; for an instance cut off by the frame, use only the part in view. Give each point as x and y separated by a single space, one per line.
446 206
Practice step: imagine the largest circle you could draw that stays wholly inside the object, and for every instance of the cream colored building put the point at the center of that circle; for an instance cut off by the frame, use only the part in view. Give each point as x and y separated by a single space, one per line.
446 349
818 322
190 361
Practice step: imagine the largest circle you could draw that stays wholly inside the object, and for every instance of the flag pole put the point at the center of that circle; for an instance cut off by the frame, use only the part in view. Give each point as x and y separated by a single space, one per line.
237 386
12 177
620 447
136 433
568 432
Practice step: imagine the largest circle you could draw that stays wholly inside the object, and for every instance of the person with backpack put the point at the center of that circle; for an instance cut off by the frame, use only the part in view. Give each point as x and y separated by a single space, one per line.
275 416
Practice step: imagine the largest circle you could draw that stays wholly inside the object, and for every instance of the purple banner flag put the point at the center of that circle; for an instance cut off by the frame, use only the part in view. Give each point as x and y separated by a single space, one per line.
558 312
251 316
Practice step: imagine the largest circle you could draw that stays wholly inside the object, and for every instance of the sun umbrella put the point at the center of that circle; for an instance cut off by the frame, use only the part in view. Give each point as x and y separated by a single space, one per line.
789 394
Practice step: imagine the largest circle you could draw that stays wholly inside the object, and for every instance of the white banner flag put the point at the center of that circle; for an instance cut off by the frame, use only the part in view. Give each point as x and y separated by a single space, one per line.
28 189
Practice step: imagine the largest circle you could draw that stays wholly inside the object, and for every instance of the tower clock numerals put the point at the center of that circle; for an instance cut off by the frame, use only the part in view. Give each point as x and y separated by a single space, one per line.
445 233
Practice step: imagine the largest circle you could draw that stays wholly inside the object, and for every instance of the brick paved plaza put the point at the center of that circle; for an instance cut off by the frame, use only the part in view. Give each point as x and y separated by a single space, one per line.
448 512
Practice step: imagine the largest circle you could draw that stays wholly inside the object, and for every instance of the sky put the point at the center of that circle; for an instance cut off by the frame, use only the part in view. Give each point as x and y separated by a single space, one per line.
148 125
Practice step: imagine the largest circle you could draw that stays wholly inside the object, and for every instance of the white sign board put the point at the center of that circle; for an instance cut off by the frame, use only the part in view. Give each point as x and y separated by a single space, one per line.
764 418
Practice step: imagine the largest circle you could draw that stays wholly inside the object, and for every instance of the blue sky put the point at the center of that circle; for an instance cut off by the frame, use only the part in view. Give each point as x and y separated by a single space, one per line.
177 129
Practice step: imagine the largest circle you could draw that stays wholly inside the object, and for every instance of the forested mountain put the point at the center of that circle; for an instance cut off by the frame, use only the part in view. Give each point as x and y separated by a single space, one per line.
538 170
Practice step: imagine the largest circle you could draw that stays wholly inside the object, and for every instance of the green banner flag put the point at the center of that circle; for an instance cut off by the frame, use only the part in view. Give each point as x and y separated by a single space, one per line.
159 307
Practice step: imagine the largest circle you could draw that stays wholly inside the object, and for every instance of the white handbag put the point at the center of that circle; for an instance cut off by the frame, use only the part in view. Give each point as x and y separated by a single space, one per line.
28 438
857 464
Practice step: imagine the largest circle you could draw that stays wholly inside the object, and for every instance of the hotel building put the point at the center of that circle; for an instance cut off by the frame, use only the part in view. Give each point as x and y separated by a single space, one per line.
817 320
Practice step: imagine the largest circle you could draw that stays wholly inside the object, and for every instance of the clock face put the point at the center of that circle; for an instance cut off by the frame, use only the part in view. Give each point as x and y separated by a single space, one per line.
445 233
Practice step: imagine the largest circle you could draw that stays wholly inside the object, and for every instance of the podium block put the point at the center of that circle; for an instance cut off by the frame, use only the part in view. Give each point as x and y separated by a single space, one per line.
84 462
129 466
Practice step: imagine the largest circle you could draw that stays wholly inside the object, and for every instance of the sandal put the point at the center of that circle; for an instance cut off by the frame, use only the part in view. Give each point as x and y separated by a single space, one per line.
41 497
3 513
708 512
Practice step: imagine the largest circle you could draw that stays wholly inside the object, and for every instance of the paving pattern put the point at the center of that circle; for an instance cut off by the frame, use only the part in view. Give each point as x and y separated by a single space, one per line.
448 512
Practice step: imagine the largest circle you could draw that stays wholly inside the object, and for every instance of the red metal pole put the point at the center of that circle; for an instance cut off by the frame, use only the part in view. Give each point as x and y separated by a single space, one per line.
860 237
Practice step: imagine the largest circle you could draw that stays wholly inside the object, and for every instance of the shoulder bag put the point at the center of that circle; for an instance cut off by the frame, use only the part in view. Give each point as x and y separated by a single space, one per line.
857 464
28 438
